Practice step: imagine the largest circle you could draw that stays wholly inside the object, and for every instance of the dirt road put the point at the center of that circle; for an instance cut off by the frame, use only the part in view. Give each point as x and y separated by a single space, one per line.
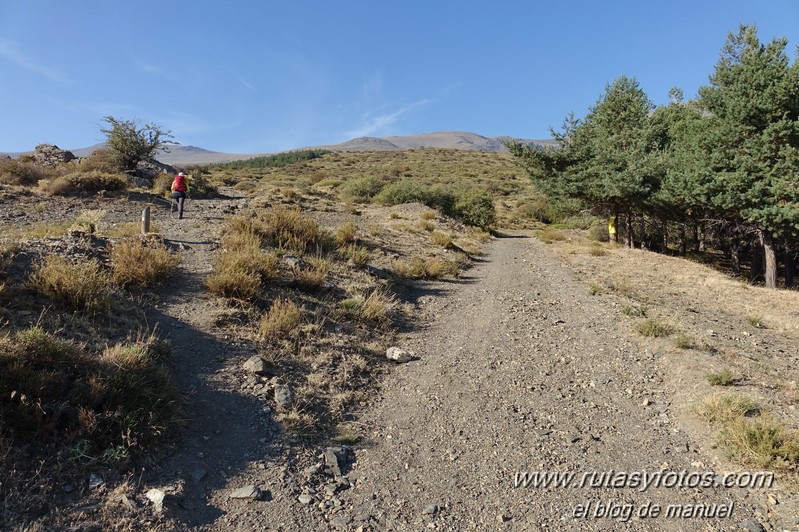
519 370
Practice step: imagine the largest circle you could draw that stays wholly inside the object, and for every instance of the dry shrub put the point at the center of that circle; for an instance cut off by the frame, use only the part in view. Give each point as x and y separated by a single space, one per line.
549 236
419 268
104 407
357 255
22 173
441 238
80 183
241 273
427 225
312 277
749 436
378 308
101 160
346 234
80 287
135 263
282 318
287 228
654 328
162 184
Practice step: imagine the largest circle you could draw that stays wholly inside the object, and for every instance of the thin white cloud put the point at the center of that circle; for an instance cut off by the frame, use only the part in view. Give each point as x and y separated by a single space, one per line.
374 125
10 51
242 80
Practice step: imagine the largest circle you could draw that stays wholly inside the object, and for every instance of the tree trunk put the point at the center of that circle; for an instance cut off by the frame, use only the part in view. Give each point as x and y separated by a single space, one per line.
644 244
735 256
666 238
701 245
771 258
756 270
629 240
683 243
696 236
613 225
790 267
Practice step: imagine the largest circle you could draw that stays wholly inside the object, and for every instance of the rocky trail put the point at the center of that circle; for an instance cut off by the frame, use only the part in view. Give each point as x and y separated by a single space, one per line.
518 370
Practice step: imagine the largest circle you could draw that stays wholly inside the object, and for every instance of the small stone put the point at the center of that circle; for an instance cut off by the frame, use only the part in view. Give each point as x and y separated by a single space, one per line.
646 402
198 474
502 518
398 355
311 470
250 492
283 395
95 481
331 489
305 498
156 497
255 365
430 510
753 526
772 499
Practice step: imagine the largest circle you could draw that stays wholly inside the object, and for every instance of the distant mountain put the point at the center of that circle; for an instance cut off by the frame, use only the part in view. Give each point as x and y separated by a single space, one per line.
454 140
180 155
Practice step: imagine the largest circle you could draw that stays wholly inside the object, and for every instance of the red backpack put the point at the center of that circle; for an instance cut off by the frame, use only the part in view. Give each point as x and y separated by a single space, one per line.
179 185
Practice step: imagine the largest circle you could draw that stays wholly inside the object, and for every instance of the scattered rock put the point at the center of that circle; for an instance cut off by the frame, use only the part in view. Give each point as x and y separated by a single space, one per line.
502 518
646 402
335 459
283 395
255 364
95 481
305 498
398 355
752 526
156 497
295 263
377 272
430 510
250 492
51 155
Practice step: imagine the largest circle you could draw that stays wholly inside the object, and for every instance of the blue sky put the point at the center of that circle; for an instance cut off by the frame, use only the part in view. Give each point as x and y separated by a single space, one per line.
265 76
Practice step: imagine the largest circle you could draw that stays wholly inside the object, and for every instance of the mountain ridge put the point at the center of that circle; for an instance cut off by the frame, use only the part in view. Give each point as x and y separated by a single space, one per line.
179 154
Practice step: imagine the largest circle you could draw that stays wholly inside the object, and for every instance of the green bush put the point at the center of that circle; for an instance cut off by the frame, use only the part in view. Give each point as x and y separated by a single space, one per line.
362 189
475 208
404 191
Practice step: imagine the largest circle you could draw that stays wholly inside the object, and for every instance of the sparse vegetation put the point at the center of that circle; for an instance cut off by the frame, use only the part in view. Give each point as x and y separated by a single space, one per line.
140 264
282 318
107 407
653 328
749 436
83 183
724 377
76 287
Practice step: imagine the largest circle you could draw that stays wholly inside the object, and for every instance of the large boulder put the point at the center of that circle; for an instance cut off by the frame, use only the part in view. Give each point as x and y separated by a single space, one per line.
51 155
150 168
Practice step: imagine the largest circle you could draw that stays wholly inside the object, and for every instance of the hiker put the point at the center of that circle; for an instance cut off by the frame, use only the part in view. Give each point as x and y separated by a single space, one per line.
180 190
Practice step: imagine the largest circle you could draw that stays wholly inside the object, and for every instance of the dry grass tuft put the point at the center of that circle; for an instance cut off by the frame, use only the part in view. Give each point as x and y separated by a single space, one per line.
241 272
313 277
346 234
83 183
748 436
280 321
419 268
135 263
653 328
81 287
441 238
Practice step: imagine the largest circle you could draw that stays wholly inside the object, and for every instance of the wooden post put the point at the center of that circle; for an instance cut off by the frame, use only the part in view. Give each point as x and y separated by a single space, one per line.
145 221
